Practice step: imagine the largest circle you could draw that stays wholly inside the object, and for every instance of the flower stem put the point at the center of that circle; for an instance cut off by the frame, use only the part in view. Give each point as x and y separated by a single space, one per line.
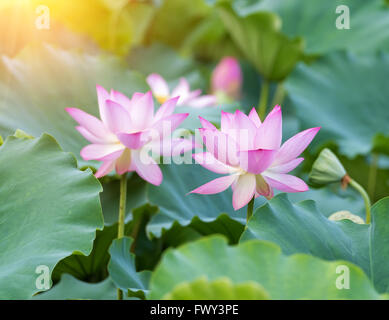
279 95
365 197
262 105
372 175
122 213
250 208
122 205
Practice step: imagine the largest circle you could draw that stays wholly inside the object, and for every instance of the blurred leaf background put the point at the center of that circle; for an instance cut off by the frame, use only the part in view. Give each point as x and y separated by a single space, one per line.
322 75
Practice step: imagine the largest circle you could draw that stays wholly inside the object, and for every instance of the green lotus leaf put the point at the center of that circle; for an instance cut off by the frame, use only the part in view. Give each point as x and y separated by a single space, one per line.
220 289
351 106
92 268
122 269
49 209
315 21
300 276
302 228
70 288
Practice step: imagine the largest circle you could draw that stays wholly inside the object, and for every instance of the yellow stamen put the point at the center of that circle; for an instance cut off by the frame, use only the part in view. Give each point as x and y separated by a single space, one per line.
161 99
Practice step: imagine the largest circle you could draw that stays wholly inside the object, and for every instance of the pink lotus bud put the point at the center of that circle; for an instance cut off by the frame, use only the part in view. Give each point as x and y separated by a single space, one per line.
227 78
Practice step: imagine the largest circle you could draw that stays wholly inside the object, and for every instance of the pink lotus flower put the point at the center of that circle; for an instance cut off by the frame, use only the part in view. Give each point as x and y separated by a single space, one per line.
161 92
128 129
250 153
227 78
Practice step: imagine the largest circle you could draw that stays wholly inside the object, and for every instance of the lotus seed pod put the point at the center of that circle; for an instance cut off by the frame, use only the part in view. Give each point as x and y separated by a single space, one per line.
327 168
342 215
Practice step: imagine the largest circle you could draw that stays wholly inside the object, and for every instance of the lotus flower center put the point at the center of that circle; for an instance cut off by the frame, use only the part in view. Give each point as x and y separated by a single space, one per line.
161 99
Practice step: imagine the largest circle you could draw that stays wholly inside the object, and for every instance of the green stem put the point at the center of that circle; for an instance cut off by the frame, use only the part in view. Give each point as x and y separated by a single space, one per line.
122 205
250 207
120 294
135 232
122 213
279 95
365 197
262 105
372 175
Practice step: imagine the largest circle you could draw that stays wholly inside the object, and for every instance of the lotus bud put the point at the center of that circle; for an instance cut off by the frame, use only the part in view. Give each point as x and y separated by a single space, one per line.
227 79
327 169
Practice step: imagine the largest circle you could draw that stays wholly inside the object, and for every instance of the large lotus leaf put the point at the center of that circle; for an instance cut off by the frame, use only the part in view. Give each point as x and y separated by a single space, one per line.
347 96
70 288
220 289
258 36
122 268
315 21
91 268
301 228
38 85
299 276
49 209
